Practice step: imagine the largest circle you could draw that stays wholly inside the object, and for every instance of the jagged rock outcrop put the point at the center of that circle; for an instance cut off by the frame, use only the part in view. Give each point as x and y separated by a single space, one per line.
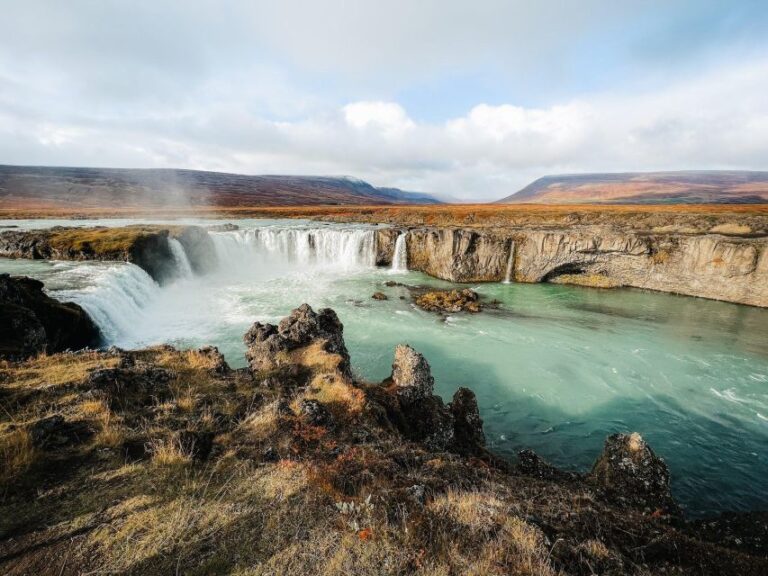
411 375
715 266
269 346
32 322
456 427
468 434
630 474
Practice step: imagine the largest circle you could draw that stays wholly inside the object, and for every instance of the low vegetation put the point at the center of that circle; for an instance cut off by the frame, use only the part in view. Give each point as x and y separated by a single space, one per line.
162 461
732 219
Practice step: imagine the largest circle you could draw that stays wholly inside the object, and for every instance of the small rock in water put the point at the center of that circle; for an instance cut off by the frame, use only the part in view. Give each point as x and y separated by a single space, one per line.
629 473
379 296
450 301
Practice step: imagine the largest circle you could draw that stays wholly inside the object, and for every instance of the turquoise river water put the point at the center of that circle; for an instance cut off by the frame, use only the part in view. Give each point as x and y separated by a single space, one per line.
555 368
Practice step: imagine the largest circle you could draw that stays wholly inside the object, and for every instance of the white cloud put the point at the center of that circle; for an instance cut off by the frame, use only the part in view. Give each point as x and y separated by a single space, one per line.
387 118
256 89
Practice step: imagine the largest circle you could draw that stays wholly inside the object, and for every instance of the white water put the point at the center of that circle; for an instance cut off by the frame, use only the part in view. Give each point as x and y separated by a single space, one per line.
116 296
400 257
183 266
510 264
267 251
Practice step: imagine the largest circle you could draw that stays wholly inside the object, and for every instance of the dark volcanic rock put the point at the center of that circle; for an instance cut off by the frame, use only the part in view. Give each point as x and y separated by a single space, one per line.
531 464
411 375
628 473
315 413
379 296
469 437
33 322
426 418
268 344
55 432
216 358
131 386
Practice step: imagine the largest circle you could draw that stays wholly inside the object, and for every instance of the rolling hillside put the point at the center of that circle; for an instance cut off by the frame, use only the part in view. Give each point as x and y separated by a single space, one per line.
95 187
689 187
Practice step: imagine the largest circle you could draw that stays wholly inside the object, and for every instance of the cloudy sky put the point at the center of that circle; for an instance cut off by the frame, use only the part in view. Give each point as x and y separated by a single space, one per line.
465 98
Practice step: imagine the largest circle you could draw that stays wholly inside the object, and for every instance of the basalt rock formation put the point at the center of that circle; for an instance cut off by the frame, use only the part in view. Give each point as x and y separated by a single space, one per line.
717 266
146 246
161 461
32 322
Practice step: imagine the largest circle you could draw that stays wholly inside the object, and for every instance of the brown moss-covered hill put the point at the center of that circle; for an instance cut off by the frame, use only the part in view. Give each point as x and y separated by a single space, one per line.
729 219
162 461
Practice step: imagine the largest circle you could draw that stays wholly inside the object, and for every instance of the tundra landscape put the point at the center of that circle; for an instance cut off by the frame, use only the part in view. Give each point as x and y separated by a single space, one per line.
397 288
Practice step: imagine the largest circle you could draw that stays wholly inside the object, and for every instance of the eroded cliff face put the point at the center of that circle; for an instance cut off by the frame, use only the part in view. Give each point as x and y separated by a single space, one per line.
146 246
710 265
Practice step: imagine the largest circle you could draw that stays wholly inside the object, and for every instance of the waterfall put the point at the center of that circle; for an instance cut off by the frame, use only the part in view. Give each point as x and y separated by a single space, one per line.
114 295
400 257
510 264
183 267
280 248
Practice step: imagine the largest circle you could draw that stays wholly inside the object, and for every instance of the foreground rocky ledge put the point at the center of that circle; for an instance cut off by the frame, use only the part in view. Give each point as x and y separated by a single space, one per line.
162 461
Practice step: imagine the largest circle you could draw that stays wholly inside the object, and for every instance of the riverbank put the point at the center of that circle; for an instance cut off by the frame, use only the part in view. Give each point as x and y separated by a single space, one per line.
159 461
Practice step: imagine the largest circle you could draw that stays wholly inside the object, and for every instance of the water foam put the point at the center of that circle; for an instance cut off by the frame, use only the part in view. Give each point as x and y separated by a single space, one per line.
114 295
400 256
183 267
281 248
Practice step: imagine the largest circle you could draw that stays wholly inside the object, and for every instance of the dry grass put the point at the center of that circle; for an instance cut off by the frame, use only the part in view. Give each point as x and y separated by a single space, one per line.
110 433
54 370
100 240
169 452
17 453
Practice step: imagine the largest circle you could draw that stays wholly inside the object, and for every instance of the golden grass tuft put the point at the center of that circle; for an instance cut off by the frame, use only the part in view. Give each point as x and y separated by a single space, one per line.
54 370
314 356
110 432
17 453
169 452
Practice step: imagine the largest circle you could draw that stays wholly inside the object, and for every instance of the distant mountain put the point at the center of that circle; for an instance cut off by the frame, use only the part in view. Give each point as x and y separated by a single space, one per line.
98 187
688 187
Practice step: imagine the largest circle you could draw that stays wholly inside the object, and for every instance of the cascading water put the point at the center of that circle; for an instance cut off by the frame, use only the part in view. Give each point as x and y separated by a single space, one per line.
114 295
183 267
281 248
400 257
510 264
